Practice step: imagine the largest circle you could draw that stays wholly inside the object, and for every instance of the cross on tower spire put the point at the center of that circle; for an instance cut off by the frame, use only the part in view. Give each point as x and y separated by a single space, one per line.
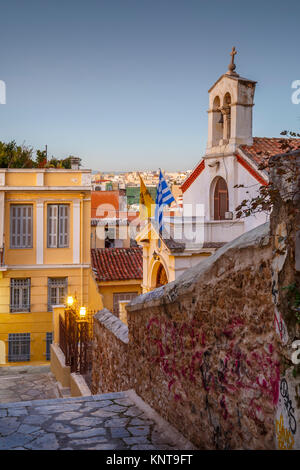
232 66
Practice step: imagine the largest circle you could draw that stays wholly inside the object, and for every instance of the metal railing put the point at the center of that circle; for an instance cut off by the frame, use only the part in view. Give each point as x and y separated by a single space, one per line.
75 340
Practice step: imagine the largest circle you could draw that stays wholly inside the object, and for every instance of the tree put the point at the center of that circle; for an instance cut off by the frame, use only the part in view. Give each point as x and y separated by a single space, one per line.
269 194
41 158
15 156
21 156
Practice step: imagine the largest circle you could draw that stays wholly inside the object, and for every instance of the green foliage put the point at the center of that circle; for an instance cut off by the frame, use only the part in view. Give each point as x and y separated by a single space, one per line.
269 194
41 158
15 156
21 156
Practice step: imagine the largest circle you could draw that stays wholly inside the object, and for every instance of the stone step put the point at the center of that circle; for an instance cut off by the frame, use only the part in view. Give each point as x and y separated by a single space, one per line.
119 420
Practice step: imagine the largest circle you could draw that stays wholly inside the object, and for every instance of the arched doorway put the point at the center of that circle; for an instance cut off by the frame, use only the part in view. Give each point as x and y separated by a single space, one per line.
161 276
221 202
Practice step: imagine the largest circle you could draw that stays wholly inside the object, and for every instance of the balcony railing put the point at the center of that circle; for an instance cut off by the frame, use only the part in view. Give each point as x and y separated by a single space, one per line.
197 231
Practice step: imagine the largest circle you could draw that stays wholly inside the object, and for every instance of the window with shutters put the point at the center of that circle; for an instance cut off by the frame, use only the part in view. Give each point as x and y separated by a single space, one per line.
21 226
18 347
57 291
20 295
220 199
58 225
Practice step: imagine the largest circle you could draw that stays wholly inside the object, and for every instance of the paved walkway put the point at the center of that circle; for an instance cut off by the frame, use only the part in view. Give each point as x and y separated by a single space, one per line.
110 421
22 383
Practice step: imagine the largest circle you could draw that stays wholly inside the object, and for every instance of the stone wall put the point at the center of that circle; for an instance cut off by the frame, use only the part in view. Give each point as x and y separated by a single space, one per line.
285 226
217 352
202 350
110 354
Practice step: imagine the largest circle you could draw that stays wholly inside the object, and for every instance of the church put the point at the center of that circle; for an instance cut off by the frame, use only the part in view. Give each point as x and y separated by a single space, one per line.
227 174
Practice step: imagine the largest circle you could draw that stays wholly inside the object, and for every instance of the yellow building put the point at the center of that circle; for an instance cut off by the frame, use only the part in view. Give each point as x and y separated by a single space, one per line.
119 274
45 255
167 256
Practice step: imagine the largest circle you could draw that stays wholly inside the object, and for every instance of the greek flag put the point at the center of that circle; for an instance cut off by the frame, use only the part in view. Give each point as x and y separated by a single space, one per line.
163 197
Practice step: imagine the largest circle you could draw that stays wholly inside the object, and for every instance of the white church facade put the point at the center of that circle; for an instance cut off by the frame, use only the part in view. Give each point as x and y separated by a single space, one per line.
210 195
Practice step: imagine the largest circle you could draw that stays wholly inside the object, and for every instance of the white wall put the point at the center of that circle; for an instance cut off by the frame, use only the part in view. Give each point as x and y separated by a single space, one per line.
200 191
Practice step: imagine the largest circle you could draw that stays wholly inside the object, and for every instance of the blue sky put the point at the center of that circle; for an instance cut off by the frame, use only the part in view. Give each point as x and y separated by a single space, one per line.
123 83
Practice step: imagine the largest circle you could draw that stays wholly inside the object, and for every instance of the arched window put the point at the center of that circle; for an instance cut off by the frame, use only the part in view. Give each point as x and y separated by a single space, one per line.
217 122
220 199
227 115
161 277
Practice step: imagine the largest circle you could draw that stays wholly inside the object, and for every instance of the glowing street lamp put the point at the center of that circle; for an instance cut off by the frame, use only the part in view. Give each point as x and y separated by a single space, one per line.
70 301
82 312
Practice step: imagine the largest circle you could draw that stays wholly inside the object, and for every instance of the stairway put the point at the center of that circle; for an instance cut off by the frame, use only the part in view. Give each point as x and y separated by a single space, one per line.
109 421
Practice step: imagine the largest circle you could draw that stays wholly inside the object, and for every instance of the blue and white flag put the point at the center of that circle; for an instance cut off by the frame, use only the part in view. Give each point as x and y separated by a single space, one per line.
163 197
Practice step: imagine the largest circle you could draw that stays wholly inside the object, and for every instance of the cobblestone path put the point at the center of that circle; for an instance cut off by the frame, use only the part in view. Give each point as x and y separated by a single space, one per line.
22 383
108 421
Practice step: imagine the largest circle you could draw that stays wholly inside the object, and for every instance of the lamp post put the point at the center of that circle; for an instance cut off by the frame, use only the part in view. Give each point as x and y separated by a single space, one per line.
77 335
82 313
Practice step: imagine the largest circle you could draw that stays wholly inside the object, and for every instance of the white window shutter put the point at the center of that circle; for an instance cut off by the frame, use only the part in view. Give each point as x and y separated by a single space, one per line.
52 225
63 225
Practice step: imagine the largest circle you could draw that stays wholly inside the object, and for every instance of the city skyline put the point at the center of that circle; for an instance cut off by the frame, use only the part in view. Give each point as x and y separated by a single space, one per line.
125 85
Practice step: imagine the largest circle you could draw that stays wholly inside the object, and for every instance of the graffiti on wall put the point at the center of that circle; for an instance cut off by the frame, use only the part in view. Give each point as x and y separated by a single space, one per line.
286 422
285 438
186 355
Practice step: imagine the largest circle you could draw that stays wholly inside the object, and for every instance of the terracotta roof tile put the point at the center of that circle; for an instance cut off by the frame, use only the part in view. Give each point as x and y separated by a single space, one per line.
191 178
266 147
117 264
263 147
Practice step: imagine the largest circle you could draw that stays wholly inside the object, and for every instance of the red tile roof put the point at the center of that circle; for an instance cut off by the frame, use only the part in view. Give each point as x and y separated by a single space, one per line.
195 173
117 264
263 147
266 147
251 170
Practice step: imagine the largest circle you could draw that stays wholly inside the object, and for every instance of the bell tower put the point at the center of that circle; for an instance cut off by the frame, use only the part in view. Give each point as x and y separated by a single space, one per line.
230 111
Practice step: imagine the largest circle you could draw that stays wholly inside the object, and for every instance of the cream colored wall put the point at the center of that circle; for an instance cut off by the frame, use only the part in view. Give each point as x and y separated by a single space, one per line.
86 228
95 297
58 178
18 179
174 265
51 177
107 290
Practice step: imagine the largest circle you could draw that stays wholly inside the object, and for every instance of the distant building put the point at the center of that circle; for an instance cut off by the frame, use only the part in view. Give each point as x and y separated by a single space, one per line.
110 220
133 194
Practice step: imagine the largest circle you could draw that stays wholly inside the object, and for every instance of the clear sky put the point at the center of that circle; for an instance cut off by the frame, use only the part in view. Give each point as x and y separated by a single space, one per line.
123 83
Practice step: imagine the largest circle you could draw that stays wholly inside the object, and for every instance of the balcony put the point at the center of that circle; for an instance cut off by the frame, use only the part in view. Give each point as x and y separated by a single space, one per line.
196 232
220 231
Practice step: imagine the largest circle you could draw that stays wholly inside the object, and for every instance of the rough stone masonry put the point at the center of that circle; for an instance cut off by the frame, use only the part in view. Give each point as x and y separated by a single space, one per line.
211 352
